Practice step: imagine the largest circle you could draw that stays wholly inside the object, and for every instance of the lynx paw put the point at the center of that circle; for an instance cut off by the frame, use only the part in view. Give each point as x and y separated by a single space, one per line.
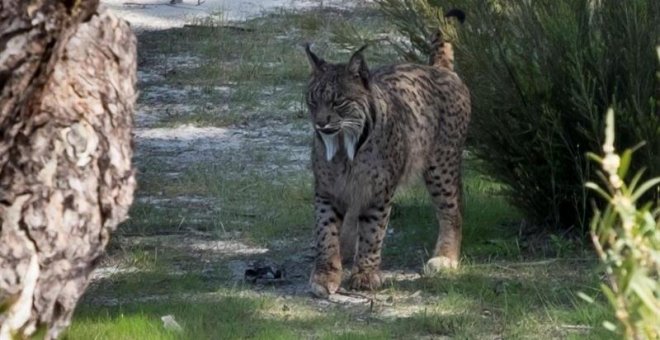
323 284
438 264
366 280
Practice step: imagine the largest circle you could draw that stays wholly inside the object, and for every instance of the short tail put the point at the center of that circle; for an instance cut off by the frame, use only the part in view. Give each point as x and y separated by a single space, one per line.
442 52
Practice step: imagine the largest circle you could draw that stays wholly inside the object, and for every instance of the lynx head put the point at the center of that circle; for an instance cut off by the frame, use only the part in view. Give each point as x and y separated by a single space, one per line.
338 98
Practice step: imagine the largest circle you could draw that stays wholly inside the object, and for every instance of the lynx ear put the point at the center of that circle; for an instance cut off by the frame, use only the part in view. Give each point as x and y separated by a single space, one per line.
358 67
314 61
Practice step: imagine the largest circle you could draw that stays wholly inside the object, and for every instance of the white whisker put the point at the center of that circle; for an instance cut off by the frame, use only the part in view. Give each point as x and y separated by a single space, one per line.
331 143
350 141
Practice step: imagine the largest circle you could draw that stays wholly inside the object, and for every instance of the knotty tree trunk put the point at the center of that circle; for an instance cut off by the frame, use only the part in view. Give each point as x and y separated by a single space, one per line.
67 90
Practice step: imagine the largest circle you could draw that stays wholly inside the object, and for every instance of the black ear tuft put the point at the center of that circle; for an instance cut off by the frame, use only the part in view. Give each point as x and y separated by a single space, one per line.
361 49
456 13
314 61
358 66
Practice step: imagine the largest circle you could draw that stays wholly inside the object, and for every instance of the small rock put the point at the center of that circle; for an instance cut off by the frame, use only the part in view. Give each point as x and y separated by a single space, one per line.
170 324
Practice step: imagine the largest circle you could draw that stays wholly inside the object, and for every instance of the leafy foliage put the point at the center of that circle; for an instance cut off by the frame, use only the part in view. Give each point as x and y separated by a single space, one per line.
541 73
627 240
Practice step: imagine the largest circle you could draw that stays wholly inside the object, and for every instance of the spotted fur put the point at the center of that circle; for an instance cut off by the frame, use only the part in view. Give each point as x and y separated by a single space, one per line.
373 129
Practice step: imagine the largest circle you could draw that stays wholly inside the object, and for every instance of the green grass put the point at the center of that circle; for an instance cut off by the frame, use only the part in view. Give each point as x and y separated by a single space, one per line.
257 65
223 317
252 204
476 302
509 286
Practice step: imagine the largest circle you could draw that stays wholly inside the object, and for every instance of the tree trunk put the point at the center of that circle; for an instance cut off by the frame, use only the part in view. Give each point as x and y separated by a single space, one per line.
67 90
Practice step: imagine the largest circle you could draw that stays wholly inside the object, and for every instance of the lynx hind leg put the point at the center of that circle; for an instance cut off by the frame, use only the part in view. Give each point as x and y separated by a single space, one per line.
327 272
372 226
443 181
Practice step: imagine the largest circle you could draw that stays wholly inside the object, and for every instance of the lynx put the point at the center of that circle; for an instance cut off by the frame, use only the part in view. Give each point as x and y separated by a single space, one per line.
373 129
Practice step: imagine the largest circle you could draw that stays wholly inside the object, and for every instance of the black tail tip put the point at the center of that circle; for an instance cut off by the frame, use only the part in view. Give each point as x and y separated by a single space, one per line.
456 13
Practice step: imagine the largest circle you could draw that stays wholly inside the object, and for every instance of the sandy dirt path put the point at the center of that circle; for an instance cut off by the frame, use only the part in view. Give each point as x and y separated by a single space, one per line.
160 14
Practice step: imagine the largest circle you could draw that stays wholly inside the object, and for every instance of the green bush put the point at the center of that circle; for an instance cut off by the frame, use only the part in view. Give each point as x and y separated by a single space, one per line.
541 73
627 239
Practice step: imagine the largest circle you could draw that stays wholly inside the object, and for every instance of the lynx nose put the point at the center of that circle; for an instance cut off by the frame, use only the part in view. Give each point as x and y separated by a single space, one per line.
326 129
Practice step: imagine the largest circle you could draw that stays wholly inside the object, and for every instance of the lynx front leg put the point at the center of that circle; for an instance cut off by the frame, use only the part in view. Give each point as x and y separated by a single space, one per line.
326 275
372 225
443 181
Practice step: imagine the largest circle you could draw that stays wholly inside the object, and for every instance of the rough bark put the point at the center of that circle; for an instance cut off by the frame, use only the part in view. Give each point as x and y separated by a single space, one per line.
67 91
